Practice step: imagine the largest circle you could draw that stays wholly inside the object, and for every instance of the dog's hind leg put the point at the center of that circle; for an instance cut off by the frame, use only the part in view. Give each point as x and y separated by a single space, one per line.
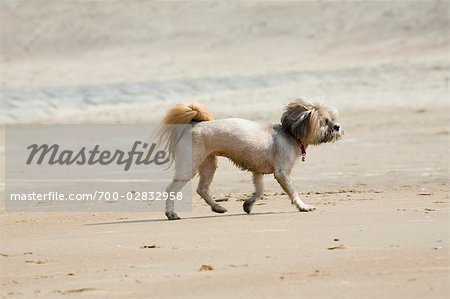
206 172
185 169
175 186
258 182
284 179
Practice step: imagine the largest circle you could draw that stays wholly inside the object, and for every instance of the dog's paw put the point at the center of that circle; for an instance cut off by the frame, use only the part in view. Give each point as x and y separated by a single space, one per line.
218 209
248 204
305 208
172 216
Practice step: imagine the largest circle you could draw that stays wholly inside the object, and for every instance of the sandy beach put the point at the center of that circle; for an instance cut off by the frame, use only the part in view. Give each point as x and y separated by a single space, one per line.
381 228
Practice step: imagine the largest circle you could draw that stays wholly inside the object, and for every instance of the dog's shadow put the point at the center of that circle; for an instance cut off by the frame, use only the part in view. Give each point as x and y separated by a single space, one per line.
190 218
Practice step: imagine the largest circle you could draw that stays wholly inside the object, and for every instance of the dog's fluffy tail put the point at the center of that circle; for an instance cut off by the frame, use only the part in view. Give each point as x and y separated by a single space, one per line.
169 133
185 114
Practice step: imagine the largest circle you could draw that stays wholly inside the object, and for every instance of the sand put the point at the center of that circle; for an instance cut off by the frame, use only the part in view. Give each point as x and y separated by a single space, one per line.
381 228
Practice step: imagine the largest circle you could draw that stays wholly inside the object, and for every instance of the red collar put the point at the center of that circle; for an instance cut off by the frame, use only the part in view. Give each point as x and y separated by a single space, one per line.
303 149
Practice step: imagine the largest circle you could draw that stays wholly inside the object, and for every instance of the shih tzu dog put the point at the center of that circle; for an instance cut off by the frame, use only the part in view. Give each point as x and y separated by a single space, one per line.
259 148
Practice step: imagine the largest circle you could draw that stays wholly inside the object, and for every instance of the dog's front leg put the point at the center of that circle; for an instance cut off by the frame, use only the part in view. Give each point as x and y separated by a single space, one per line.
284 179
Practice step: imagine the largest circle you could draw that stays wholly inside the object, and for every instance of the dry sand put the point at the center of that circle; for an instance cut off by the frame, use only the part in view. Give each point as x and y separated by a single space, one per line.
381 228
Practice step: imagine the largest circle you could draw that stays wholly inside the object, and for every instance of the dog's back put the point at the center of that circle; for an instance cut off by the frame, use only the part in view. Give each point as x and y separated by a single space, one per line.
248 144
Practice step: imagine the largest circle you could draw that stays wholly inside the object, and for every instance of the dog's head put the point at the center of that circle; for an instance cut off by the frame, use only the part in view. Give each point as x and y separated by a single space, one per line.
311 122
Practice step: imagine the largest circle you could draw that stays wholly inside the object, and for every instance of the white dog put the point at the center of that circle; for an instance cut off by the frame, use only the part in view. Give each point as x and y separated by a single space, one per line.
259 148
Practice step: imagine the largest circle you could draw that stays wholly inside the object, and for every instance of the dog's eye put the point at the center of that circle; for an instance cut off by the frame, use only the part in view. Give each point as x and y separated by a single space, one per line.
326 122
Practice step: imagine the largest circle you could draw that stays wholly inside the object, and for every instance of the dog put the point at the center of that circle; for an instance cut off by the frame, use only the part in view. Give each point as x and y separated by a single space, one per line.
258 148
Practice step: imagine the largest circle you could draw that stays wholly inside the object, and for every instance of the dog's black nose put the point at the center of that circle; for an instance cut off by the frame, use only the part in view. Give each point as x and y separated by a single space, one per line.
336 127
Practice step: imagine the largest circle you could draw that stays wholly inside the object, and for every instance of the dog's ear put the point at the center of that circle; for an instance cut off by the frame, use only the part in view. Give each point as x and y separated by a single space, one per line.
296 119
300 127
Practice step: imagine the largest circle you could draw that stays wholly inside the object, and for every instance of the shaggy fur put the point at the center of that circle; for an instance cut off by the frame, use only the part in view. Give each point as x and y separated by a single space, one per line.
261 149
170 133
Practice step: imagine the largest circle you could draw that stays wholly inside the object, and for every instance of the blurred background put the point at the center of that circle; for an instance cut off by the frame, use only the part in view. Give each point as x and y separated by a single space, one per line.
127 61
